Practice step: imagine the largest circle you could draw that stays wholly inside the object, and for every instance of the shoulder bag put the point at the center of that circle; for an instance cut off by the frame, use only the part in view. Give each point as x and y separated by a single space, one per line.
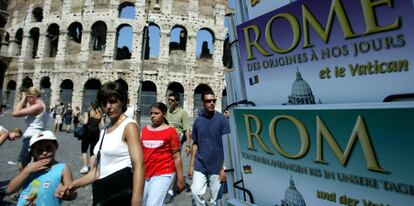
114 189
81 132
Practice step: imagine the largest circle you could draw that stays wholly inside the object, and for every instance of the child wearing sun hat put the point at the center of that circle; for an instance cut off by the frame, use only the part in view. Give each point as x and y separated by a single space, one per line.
40 179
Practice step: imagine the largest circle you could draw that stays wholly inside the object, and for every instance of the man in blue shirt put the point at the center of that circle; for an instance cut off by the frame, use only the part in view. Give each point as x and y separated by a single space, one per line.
207 157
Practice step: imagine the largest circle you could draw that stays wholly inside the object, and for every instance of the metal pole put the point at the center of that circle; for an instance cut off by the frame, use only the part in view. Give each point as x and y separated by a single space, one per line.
143 51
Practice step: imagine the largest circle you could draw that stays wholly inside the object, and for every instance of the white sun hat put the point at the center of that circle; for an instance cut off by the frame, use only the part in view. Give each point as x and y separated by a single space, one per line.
44 135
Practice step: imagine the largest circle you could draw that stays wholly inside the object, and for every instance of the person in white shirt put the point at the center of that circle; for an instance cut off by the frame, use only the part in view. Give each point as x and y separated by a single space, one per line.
32 107
119 148
9 135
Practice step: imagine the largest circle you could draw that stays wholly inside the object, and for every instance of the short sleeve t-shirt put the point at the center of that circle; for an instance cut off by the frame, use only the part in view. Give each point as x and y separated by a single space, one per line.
158 146
179 120
207 135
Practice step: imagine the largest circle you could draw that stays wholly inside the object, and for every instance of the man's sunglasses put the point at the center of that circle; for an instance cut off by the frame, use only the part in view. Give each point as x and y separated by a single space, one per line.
210 100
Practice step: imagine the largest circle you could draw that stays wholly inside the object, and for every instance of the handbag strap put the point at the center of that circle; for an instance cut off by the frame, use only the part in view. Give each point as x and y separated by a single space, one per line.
98 155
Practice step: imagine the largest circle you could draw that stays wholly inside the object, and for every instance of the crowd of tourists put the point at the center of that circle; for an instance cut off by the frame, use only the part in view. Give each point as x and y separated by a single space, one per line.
125 164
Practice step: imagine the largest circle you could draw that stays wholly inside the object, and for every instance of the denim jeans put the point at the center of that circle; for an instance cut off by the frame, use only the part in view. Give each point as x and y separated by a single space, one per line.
199 187
156 189
24 156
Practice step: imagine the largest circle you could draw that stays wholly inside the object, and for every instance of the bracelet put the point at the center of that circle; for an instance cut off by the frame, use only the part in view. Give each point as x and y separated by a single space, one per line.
188 145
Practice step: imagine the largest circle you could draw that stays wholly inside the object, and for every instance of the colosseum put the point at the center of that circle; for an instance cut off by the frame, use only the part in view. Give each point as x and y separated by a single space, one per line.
69 48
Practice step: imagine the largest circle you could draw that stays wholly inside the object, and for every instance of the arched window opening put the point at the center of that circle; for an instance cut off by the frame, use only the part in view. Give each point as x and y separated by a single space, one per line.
3 69
45 87
205 42
75 32
11 85
89 93
126 10
227 59
66 91
3 5
177 88
6 38
178 38
123 82
3 21
37 14
148 96
124 42
223 100
52 40
153 42
10 94
98 36
199 90
74 38
34 41
5 42
27 82
18 38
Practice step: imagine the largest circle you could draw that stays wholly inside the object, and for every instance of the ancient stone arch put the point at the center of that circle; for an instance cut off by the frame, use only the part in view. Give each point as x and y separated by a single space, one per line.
77 41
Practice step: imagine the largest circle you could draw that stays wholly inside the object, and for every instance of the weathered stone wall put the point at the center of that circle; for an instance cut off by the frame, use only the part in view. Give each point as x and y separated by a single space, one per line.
77 61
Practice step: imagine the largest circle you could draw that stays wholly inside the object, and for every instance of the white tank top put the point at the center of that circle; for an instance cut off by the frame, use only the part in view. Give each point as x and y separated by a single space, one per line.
36 123
114 152
2 129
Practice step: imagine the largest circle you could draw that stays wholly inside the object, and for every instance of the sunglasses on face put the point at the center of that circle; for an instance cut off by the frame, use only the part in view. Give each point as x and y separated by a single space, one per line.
210 100
171 100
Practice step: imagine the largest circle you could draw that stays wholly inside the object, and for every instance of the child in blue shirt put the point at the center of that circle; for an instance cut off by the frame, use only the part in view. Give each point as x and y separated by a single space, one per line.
41 178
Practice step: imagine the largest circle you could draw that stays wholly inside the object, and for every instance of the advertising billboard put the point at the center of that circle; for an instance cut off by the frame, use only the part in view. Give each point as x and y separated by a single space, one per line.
328 52
345 155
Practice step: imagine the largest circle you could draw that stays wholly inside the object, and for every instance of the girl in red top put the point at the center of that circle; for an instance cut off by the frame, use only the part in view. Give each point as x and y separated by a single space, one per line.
162 157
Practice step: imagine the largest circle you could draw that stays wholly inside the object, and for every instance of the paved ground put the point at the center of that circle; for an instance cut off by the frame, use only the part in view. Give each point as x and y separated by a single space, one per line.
69 153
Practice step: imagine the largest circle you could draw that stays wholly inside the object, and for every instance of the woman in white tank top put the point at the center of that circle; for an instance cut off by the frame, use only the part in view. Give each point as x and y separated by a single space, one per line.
121 146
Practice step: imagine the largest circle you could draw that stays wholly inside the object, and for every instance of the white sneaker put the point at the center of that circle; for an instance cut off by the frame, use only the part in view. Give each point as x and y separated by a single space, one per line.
171 192
84 170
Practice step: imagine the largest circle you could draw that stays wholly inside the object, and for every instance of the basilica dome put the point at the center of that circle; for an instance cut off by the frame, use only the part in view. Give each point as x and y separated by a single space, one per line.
301 92
292 196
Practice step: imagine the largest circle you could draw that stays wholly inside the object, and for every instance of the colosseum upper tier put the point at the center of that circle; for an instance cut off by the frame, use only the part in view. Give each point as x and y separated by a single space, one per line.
69 48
